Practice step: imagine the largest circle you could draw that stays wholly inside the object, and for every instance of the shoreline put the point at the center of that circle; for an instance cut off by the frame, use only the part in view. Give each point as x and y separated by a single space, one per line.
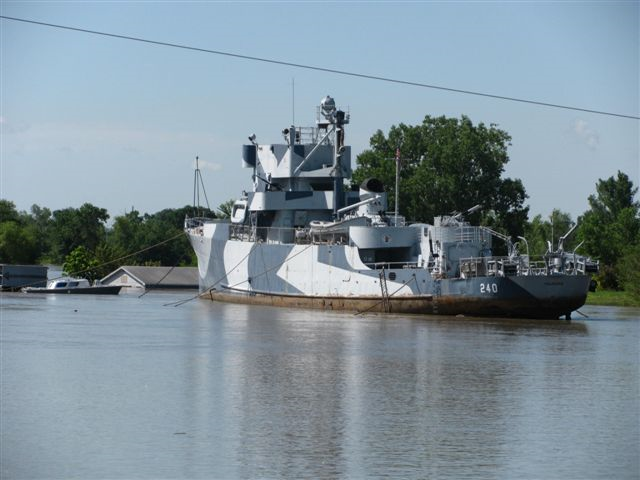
612 298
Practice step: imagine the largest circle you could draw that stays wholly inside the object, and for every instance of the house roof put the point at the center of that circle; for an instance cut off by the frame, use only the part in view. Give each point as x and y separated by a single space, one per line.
158 277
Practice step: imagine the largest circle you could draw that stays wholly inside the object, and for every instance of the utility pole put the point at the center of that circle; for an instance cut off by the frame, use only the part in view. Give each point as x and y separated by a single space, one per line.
397 202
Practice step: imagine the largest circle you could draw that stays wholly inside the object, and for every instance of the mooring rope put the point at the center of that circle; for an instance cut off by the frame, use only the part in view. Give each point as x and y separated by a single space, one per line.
148 289
388 297
211 287
270 269
79 272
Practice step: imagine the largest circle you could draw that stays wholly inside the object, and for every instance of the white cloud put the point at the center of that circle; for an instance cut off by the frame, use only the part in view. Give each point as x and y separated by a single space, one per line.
210 166
587 135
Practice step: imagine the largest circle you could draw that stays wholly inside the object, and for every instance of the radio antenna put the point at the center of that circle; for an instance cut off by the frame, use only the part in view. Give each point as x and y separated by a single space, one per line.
293 100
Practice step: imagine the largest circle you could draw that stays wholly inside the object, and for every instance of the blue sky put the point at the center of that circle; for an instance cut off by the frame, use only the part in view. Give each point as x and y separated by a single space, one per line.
117 123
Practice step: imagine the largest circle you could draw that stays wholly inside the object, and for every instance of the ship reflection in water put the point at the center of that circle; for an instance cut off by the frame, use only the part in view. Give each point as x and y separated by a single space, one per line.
126 387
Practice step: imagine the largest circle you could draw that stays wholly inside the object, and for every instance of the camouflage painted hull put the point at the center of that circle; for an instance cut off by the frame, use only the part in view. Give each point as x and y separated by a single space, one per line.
333 277
513 297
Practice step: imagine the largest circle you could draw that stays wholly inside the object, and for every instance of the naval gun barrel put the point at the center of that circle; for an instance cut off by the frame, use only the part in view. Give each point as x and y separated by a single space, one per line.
359 204
460 215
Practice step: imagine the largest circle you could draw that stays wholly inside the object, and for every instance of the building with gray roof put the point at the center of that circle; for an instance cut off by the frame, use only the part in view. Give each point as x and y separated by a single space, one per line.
139 277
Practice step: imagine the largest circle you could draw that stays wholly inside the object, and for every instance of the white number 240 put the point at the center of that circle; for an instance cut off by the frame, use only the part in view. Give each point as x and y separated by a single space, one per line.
488 288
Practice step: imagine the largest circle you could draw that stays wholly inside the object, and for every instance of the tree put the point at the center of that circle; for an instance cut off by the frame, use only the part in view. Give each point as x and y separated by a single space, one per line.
71 228
448 165
629 271
611 227
40 221
8 212
126 236
107 258
81 263
225 209
18 245
19 237
539 232
143 239
136 239
160 227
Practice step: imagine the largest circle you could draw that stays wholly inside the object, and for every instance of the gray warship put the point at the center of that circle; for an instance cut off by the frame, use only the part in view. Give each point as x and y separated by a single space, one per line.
301 239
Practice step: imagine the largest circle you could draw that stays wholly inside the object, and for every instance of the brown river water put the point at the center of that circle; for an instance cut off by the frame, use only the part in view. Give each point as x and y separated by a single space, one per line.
128 387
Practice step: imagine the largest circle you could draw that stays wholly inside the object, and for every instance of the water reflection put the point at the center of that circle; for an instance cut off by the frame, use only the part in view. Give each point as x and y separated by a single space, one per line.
128 388
324 395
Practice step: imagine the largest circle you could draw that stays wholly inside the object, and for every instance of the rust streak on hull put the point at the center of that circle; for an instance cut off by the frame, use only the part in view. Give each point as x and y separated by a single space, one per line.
412 304
416 304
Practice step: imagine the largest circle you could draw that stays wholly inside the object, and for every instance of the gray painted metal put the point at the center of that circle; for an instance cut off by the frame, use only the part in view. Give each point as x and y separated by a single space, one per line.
296 246
14 277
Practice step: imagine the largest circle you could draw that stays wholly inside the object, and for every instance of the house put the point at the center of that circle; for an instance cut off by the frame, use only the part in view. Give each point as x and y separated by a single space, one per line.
137 277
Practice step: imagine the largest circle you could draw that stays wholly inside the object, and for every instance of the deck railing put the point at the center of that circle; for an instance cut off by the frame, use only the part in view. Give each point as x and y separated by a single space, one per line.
567 263
396 220
391 265
195 222
298 236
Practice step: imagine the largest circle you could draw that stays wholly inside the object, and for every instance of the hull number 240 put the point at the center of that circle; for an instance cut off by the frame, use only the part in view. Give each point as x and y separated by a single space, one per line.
488 288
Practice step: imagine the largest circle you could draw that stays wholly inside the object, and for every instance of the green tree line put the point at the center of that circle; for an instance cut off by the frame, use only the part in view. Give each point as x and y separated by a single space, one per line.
80 240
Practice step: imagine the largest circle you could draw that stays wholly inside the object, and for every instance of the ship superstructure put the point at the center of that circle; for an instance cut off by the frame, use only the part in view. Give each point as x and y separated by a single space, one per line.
300 239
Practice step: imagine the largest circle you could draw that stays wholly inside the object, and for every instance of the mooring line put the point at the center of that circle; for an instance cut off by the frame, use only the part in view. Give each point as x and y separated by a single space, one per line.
79 272
147 290
387 298
210 288
272 268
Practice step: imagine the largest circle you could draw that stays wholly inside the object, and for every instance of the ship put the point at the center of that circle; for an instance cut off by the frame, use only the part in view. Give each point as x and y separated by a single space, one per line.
301 239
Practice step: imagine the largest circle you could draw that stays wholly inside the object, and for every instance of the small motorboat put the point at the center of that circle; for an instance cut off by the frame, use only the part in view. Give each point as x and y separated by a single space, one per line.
74 286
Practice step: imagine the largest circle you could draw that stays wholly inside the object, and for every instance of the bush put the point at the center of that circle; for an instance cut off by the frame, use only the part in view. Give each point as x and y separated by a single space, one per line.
629 271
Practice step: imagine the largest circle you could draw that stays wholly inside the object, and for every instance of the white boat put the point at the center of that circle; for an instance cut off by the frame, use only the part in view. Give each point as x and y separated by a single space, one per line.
77 286
300 240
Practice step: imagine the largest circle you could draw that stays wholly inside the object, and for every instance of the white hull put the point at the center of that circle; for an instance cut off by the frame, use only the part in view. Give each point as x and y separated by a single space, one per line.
290 269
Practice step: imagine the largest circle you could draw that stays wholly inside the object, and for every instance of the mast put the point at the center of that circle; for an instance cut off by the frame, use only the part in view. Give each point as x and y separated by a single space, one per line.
397 200
337 119
293 100
198 183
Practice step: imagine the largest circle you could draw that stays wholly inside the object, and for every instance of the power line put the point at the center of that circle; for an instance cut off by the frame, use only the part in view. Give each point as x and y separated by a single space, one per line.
322 69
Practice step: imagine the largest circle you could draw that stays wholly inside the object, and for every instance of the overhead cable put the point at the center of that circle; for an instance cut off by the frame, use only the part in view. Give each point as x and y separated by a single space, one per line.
322 69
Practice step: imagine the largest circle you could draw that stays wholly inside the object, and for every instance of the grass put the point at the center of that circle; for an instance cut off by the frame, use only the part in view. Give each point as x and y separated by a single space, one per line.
613 299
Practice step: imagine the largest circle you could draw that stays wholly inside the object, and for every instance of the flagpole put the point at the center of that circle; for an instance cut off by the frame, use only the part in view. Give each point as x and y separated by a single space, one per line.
395 221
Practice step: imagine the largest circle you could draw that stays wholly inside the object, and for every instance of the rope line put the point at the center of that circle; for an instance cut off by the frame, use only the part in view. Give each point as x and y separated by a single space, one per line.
323 69
79 272
211 287
126 256
272 268
391 295
148 289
